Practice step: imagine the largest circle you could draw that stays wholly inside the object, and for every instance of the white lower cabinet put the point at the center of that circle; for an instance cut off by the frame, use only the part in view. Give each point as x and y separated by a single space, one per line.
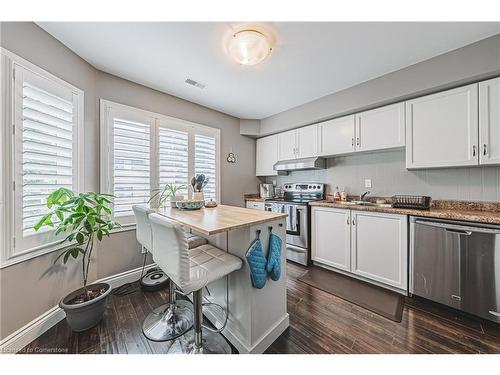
368 245
331 237
255 205
379 247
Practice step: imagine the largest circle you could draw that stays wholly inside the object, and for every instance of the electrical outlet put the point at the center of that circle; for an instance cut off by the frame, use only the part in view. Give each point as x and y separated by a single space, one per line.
368 183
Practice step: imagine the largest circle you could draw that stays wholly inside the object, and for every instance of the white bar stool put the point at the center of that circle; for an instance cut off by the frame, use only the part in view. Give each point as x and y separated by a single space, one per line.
191 270
174 318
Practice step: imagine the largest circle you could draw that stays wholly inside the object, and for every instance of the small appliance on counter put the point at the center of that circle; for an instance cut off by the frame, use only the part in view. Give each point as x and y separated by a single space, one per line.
266 191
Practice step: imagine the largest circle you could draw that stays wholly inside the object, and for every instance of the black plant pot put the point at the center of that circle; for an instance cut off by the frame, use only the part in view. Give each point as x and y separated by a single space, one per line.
85 315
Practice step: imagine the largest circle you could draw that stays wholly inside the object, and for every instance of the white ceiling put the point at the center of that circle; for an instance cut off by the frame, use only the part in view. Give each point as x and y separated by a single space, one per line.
310 60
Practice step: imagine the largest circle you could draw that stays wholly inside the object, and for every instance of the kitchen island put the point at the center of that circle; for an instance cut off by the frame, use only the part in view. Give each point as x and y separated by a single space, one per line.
257 317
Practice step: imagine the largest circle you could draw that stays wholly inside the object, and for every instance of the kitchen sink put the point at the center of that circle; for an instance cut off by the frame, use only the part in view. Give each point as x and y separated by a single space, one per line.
358 203
364 203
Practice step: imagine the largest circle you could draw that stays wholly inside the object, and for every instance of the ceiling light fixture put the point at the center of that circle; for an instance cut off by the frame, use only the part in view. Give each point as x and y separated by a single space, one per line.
248 47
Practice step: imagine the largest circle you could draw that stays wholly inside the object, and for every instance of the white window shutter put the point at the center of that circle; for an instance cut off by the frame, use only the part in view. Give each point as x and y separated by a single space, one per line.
131 165
142 151
173 158
47 154
48 116
206 163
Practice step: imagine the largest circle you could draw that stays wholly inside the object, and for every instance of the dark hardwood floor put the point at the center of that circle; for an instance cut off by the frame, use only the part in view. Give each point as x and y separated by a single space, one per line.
319 323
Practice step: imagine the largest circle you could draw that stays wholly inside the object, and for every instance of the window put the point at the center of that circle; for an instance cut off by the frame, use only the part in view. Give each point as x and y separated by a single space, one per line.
173 164
142 151
44 153
205 162
132 165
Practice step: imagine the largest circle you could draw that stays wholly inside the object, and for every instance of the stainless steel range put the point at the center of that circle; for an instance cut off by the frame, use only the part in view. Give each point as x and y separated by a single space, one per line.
295 201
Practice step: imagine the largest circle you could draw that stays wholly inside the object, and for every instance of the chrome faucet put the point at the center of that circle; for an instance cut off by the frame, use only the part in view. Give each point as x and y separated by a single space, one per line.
362 197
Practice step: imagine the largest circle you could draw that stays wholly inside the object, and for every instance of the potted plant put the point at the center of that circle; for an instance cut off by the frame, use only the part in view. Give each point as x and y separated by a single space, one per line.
168 191
82 218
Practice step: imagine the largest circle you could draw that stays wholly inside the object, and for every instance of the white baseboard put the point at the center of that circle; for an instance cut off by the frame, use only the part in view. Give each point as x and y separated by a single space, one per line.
31 331
23 336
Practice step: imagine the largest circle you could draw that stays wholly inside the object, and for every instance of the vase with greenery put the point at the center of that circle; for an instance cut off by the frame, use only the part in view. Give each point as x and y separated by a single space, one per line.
168 191
83 219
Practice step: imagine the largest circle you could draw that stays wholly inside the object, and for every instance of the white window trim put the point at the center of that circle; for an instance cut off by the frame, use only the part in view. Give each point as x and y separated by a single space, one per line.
9 60
159 120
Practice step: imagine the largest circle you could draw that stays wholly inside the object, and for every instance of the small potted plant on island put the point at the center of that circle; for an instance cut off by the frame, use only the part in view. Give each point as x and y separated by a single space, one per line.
168 191
82 218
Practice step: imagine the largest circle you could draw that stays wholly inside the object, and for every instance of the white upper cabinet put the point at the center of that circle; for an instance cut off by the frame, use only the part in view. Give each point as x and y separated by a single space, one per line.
307 141
381 128
442 129
287 145
489 122
266 156
336 136
298 143
377 129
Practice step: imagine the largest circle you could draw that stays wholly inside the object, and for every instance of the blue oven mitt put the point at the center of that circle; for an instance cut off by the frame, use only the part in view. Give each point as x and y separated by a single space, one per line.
274 256
257 263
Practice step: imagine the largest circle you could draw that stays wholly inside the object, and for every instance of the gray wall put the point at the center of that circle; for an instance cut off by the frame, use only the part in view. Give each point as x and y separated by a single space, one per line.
31 288
476 61
389 176
236 178
387 170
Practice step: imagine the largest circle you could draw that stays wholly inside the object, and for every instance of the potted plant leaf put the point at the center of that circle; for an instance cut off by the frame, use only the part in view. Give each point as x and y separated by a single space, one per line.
83 219
168 191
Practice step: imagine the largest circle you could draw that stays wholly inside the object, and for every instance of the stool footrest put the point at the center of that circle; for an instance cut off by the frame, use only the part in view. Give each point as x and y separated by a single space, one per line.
216 330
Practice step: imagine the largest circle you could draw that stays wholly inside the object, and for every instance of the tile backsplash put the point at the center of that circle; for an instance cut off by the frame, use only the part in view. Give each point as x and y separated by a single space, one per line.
389 176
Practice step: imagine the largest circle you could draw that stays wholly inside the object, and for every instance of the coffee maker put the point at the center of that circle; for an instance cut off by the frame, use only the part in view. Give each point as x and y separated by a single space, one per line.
266 191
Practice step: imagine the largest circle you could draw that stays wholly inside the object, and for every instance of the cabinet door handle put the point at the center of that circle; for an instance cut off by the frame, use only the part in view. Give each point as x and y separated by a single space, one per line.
357 141
485 150
352 141
353 221
474 150
347 220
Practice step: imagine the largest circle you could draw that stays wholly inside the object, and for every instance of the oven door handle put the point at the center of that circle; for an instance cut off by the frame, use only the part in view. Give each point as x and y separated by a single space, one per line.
295 232
296 249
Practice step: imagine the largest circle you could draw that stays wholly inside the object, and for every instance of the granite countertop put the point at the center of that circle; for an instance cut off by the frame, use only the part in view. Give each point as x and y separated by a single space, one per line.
440 209
253 198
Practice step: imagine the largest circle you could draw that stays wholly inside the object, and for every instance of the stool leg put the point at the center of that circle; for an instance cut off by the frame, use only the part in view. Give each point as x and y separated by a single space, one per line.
171 296
198 318
170 320
197 341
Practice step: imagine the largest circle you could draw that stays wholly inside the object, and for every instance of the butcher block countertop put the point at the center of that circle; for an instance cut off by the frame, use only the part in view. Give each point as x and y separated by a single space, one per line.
221 218
488 213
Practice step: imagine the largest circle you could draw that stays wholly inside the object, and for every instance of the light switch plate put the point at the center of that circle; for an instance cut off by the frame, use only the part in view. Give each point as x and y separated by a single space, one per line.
368 183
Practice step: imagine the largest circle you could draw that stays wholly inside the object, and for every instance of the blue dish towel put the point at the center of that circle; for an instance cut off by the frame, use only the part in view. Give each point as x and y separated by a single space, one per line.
274 257
257 263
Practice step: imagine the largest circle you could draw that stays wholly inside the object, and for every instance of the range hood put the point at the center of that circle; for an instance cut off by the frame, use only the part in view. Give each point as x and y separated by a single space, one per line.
300 164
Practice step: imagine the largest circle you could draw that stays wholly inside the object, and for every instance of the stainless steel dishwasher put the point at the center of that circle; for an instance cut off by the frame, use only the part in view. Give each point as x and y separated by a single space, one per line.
456 264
